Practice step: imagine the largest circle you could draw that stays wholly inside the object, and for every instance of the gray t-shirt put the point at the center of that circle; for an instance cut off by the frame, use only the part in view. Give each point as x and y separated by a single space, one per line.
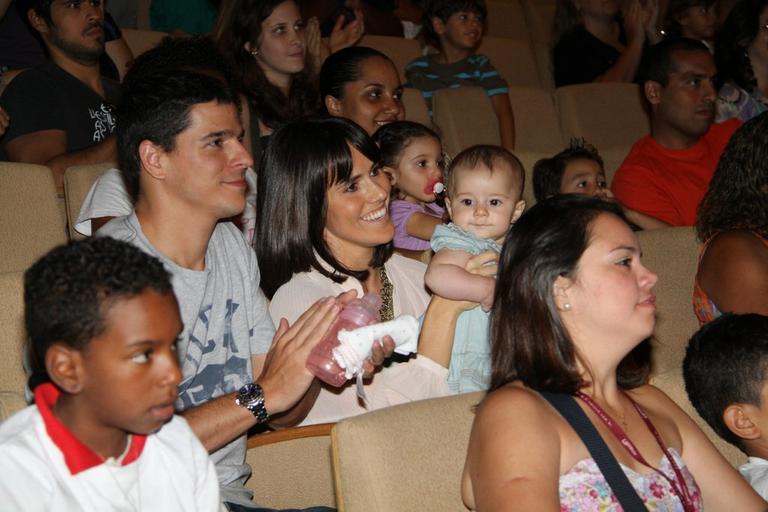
226 321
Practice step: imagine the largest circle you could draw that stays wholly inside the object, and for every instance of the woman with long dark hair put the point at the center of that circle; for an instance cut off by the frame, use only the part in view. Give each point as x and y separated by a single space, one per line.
572 307
267 44
324 229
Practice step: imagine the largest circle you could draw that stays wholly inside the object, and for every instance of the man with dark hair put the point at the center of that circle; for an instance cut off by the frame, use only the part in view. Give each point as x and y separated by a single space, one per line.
667 172
180 149
62 111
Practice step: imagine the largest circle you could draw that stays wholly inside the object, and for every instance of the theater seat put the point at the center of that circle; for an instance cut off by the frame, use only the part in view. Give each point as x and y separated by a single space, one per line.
513 60
140 41
400 50
540 15
607 115
506 19
31 221
292 467
465 117
673 254
529 159
415 106
78 180
12 340
407 457
536 124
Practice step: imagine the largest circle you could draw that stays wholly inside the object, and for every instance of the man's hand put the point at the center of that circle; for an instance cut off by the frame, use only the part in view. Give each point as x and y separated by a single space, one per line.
285 377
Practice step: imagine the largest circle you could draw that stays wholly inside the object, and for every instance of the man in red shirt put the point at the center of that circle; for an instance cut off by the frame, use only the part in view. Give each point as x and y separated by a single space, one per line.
667 172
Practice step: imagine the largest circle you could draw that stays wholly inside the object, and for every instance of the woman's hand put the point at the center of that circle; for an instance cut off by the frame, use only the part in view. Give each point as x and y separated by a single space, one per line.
633 22
343 36
316 48
650 21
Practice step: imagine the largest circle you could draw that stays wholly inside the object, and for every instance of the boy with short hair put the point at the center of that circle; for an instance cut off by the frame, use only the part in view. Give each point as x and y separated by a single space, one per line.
457 28
102 322
725 371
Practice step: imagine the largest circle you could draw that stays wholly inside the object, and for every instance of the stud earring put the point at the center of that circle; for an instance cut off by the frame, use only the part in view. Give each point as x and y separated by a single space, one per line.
255 52
567 306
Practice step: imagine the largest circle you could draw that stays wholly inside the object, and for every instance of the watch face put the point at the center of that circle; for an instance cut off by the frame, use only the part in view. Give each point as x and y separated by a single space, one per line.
247 391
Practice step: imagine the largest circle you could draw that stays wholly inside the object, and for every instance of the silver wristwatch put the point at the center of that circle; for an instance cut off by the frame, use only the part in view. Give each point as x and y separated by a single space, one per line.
251 396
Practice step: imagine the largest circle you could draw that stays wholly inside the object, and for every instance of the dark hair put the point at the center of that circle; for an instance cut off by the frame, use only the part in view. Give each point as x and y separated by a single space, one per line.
548 172
486 155
740 29
291 206
68 292
444 9
239 23
657 60
528 339
737 197
345 66
725 363
393 138
193 53
676 9
41 7
156 107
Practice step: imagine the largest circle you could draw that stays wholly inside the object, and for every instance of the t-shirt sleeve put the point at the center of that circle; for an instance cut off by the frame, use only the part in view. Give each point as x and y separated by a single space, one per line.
401 211
30 103
634 186
263 330
106 198
490 79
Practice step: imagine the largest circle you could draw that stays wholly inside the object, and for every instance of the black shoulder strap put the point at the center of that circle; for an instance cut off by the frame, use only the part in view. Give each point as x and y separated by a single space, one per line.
626 494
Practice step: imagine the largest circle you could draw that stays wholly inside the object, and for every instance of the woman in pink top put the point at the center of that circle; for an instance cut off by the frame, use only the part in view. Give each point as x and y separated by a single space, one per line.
573 305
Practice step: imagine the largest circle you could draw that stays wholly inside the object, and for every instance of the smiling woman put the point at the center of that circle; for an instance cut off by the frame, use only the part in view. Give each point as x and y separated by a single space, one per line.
362 84
323 229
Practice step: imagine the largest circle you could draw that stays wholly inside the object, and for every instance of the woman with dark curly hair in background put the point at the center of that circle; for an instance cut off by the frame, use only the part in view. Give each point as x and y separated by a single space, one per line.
741 56
733 225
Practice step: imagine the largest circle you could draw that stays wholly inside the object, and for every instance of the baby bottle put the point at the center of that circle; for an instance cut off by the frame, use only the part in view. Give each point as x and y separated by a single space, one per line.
358 313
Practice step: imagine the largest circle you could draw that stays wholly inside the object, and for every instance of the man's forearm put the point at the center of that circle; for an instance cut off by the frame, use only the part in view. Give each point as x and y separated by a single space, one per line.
219 421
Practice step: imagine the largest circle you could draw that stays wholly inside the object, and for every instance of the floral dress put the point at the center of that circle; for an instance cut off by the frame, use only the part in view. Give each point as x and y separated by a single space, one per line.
584 489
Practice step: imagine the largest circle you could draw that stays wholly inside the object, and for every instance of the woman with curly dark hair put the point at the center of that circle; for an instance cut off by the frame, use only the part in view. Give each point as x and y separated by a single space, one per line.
741 56
733 225
273 54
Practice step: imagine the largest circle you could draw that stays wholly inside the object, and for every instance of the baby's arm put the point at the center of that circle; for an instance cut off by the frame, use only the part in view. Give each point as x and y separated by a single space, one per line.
421 225
447 278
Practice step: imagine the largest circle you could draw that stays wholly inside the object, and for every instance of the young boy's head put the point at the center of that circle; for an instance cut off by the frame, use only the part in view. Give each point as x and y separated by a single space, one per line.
484 191
455 24
578 169
725 370
102 322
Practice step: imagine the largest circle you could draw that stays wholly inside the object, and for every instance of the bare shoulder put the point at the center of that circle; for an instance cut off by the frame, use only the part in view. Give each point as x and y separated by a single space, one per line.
516 406
735 246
